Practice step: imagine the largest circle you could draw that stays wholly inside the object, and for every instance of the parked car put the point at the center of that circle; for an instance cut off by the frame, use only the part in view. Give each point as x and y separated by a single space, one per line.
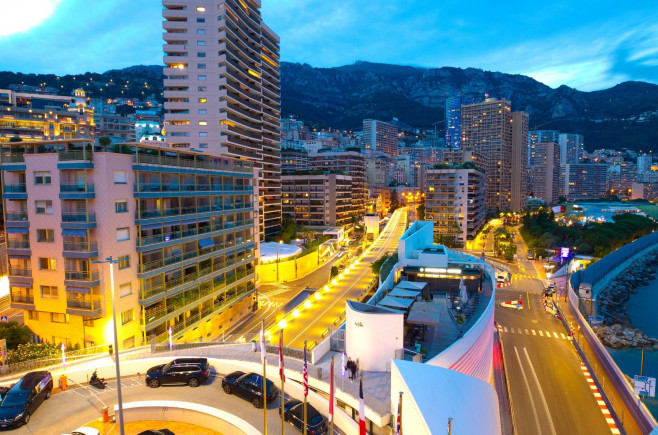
531 256
249 386
190 371
293 412
23 399
157 432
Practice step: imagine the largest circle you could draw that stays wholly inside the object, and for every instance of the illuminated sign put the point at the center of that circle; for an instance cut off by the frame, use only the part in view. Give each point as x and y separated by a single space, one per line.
565 253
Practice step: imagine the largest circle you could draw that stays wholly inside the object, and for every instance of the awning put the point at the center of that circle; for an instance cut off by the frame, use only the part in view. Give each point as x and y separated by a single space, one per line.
398 303
203 220
412 285
423 318
193 221
74 233
17 230
151 226
404 293
78 289
206 243
20 284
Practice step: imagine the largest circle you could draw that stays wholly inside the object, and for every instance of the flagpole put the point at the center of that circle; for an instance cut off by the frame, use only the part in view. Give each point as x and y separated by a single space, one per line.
332 392
282 376
264 358
305 400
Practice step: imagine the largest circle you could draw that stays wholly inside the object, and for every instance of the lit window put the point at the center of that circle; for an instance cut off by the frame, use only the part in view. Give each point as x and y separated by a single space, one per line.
200 9
124 262
42 177
123 234
127 316
203 122
47 264
203 100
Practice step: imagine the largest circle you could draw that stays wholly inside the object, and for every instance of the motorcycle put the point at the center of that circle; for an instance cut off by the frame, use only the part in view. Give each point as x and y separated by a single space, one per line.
97 382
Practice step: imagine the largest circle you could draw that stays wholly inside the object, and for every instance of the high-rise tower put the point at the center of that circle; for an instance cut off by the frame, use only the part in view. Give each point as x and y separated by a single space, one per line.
222 91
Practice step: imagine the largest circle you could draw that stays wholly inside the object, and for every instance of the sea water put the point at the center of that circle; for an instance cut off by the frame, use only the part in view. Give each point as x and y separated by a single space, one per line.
642 309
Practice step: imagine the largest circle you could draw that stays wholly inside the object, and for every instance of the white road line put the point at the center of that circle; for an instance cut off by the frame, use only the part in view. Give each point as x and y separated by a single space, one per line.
526 331
533 332
555 334
527 386
541 333
548 334
541 393
563 336
505 328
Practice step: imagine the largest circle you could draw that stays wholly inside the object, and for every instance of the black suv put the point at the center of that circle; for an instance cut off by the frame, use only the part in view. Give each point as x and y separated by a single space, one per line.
293 411
24 398
250 387
190 371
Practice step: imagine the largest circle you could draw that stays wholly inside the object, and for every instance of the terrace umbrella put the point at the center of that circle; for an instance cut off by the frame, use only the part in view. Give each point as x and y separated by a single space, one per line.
419 317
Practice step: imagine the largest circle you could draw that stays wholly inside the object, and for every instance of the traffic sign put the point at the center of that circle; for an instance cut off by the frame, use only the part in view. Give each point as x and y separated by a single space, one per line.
645 386
3 319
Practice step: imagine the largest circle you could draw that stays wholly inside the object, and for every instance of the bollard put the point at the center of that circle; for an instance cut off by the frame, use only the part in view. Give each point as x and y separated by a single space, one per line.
63 383
106 414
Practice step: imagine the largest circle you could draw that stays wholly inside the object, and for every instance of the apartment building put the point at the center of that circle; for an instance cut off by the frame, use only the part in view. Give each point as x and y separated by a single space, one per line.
380 136
571 148
318 199
488 129
222 91
584 180
545 171
293 159
38 117
178 223
455 201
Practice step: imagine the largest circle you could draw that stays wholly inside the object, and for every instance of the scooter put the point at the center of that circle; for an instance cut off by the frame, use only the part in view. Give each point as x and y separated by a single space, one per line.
97 382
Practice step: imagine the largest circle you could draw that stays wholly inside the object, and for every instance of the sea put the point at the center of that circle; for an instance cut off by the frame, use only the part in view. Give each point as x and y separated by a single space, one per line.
642 308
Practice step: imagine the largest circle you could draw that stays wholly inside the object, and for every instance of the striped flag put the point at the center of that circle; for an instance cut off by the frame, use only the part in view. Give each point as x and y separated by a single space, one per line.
398 423
305 373
262 345
281 374
343 366
362 412
331 391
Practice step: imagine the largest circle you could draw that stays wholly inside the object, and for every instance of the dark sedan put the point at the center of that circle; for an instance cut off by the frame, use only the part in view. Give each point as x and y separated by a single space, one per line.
249 386
20 402
293 412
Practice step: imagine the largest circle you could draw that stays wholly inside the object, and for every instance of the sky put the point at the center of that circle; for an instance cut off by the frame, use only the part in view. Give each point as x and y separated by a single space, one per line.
585 44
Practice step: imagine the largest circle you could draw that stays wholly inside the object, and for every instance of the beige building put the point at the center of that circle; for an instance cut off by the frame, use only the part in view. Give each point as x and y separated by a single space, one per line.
454 200
318 200
489 129
222 91
380 136
545 171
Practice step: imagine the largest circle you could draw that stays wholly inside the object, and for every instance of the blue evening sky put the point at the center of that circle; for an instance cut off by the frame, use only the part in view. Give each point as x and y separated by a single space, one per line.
586 44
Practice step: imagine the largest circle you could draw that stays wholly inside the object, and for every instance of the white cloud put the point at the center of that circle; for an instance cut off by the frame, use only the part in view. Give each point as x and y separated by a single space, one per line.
21 16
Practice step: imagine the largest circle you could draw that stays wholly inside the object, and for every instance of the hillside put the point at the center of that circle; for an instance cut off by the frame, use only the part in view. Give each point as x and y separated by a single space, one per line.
342 97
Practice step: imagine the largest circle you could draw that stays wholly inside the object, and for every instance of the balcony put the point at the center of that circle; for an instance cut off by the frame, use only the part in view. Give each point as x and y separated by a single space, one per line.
22 301
89 306
78 217
80 249
76 187
20 271
14 188
81 278
18 244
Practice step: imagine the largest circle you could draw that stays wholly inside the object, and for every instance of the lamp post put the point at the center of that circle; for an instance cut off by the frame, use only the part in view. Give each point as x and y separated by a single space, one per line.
116 340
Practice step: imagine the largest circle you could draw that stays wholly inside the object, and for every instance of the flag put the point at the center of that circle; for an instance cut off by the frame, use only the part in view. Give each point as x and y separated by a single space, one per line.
262 345
281 374
343 373
305 374
331 392
398 424
362 412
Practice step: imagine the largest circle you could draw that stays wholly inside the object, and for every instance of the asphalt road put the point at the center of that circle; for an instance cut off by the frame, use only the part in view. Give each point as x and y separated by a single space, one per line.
68 410
549 394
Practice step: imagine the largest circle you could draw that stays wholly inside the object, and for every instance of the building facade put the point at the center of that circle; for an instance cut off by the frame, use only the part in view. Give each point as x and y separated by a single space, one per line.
571 148
318 200
222 90
455 202
545 171
380 136
178 223
585 181
453 121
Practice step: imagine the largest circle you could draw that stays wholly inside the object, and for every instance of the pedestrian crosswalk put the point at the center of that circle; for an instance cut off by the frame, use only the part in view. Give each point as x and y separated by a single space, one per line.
517 276
540 332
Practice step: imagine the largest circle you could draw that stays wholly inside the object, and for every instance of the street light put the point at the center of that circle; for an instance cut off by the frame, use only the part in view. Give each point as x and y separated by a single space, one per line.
116 340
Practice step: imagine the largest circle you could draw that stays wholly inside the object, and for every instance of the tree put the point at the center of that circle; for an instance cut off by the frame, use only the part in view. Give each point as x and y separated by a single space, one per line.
15 333
376 266
104 141
421 212
334 271
15 139
395 202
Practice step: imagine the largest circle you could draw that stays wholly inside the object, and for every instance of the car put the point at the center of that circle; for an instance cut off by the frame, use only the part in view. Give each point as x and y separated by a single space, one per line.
550 290
531 256
249 386
157 432
190 371
501 277
293 412
23 399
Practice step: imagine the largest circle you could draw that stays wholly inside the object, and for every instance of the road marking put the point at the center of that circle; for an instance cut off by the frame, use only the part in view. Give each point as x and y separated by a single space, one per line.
527 386
541 393
528 298
533 332
505 328
548 334
602 405
555 334
526 331
541 333
563 337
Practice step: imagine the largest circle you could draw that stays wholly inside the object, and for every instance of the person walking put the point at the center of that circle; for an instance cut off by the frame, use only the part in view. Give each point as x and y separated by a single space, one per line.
350 368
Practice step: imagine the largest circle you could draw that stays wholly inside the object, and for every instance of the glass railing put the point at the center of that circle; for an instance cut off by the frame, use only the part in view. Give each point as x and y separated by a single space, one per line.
76 187
19 271
80 247
78 217
23 299
14 188
84 304
16 216
74 155
18 244
77 275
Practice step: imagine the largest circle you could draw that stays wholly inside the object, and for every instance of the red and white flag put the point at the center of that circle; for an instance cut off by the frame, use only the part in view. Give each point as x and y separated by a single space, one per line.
331 392
262 345
362 412
281 374
305 374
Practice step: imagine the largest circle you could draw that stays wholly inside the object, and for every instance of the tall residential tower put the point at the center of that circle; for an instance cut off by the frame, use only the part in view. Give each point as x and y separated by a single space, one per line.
222 90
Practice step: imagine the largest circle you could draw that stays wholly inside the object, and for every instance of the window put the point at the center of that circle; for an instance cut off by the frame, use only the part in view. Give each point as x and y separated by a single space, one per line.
121 206
59 318
120 177
200 54
123 234
201 77
127 316
33 315
47 263
47 236
203 112
124 262
203 145
203 134
129 343
200 20
49 291
200 32
201 66
203 100
44 207
201 89
200 9
42 177
203 122
201 43
125 289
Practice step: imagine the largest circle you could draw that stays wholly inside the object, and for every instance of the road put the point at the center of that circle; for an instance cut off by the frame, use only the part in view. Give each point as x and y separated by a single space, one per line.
84 405
549 393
